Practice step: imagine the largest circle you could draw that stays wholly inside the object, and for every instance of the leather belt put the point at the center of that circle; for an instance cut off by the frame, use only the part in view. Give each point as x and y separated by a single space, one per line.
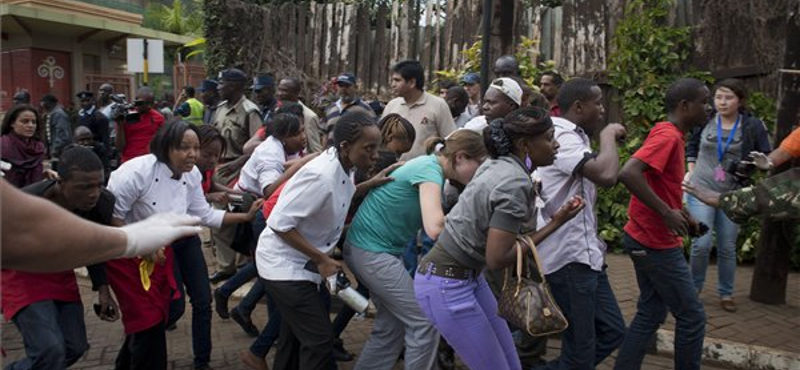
447 271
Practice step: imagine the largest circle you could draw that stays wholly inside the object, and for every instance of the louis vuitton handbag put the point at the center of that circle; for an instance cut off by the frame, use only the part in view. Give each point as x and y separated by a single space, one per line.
527 303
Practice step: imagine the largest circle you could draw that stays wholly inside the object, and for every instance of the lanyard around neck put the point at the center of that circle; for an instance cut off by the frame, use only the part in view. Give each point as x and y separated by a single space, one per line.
722 149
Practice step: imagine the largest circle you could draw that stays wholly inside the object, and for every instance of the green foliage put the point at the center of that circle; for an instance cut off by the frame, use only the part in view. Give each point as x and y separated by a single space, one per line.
526 53
179 18
648 56
197 46
764 108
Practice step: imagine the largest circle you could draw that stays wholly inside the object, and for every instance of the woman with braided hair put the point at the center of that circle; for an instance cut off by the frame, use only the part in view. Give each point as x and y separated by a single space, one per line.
397 136
480 232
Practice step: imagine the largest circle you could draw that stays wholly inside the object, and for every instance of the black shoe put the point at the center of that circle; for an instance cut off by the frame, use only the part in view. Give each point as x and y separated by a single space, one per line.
219 276
221 304
244 322
339 353
446 358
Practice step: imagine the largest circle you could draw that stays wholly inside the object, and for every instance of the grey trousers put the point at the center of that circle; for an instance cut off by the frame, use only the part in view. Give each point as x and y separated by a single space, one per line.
223 238
399 320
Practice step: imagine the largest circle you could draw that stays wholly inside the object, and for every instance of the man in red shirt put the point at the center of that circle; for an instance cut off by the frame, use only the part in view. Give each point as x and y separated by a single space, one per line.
46 307
133 136
653 233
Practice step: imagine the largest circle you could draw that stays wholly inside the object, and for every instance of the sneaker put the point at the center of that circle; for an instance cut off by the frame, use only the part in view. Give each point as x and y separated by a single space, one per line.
339 353
221 304
244 322
252 361
728 304
219 276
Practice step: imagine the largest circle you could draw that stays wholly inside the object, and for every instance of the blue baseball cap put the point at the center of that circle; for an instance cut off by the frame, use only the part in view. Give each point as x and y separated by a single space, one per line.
208 85
85 95
232 75
261 82
346 78
471 78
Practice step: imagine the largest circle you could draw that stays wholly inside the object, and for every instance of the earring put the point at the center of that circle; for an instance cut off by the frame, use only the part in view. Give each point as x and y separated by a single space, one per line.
528 162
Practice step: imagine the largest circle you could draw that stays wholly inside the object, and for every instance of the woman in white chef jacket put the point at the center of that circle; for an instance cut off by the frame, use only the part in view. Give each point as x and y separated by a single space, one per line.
293 251
166 180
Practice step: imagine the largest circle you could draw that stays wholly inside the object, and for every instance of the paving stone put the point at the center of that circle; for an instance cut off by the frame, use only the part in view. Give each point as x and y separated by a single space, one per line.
754 323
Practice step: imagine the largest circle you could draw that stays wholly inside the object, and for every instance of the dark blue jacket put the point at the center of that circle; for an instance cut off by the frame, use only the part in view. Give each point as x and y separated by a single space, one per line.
754 138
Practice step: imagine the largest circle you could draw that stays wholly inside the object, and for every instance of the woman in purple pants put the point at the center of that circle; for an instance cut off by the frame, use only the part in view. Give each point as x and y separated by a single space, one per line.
480 232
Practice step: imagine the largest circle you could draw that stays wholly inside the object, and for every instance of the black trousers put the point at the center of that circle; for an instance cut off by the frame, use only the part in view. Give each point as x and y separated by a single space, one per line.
145 350
306 340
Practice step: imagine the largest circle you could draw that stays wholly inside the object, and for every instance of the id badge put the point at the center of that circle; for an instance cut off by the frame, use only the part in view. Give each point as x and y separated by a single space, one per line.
719 173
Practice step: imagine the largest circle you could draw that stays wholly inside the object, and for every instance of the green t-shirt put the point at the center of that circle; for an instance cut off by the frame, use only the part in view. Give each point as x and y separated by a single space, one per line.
390 214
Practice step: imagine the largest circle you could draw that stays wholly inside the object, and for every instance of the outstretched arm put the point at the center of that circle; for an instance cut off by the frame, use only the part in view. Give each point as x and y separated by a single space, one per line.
40 236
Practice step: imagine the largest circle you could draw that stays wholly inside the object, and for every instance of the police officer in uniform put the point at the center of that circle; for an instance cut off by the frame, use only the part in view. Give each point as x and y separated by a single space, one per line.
210 98
238 119
92 118
189 107
264 96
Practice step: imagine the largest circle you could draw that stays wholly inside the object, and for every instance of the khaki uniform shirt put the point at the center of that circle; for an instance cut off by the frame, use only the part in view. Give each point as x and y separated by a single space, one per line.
237 123
430 116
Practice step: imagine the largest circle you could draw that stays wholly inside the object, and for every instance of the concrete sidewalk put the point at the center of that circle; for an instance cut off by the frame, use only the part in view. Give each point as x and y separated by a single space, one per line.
756 337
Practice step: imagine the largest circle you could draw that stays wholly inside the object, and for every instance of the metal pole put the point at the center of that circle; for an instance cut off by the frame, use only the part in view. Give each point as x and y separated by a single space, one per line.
485 43
145 78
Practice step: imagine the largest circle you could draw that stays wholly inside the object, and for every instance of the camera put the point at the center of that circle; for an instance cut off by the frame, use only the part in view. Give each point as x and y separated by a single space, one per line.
240 203
123 110
339 286
742 171
701 230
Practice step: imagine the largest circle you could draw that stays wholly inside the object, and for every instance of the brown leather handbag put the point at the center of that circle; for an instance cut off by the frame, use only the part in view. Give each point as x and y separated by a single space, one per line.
527 303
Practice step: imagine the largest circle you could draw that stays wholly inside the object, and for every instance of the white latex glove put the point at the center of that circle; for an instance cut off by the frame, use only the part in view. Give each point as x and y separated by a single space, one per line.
761 161
157 231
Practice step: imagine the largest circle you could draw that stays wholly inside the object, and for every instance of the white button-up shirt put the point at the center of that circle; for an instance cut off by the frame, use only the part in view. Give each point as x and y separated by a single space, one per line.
264 167
144 186
315 202
577 240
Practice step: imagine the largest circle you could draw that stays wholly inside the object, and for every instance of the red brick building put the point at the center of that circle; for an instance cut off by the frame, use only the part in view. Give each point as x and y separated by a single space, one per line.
65 46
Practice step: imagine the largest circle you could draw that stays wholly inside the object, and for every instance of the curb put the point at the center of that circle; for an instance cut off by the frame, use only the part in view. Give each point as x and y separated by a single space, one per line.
733 354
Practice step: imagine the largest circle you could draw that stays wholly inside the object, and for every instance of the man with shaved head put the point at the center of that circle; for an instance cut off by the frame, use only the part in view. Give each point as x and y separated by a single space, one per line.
289 92
134 131
506 66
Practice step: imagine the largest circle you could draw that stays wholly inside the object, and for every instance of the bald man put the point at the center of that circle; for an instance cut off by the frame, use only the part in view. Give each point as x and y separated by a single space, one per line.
289 91
506 66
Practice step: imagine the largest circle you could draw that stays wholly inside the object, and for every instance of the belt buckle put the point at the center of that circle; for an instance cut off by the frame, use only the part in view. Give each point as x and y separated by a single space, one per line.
448 272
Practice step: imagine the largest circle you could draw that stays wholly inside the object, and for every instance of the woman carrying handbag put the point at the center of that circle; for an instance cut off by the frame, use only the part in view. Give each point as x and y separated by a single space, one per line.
481 232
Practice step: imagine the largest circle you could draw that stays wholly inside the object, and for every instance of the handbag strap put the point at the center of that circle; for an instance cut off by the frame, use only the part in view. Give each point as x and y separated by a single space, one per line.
520 266
519 260
532 246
